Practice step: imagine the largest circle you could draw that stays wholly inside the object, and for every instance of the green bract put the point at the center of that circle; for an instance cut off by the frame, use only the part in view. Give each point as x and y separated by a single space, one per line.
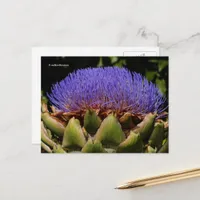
93 133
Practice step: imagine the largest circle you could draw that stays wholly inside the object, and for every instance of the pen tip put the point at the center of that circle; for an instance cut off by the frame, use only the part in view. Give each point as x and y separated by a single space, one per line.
125 186
129 186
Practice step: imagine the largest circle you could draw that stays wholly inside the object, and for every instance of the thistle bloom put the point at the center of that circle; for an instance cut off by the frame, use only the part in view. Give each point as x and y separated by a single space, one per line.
107 88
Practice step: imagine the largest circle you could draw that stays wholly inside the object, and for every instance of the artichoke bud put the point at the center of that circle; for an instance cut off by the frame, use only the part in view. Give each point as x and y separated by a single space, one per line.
133 144
164 148
91 121
93 147
54 124
45 136
73 135
110 131
126 121
157 135
146 126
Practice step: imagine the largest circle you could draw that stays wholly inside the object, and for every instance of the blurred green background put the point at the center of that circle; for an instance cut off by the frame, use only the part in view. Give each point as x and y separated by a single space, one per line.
155 69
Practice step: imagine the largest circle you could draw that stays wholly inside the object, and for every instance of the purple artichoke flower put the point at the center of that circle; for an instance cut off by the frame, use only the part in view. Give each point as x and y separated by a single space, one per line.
107 88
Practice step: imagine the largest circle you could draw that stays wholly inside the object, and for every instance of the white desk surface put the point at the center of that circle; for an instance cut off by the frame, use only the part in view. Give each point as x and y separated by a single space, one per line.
173 25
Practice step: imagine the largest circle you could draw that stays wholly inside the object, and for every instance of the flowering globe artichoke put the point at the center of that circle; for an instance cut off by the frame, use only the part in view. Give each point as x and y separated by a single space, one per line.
108 109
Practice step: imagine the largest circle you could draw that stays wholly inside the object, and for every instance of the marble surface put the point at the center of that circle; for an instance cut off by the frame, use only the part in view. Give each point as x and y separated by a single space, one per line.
172 25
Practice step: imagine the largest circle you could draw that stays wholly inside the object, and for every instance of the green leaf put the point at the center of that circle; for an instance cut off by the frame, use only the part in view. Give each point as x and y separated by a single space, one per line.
121 63
164 148
161 85
45 147
52 123
157 136
113 60
73 136
153 61
43 98
91 121
44 107
93 147
45 136
100 63
162 64
145 128
126 121
133 144
58 149
150 149
110 150
150 75
110 131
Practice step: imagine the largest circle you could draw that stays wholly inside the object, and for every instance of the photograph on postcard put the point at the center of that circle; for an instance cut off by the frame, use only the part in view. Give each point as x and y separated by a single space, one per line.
104 104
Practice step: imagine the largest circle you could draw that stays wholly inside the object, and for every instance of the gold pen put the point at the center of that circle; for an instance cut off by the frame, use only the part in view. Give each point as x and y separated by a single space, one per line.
166 178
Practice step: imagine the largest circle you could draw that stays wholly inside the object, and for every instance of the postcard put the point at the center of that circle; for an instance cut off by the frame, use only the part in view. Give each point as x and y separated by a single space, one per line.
104 104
